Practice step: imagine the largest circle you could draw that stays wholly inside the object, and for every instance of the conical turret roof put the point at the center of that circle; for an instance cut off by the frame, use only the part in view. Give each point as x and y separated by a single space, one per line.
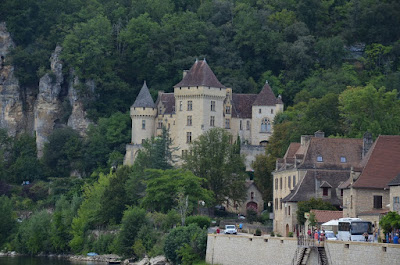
266 97
200 75
144 99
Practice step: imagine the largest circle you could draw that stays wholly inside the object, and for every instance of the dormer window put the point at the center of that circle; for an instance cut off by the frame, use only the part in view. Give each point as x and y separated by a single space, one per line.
325 191
343 159
319 159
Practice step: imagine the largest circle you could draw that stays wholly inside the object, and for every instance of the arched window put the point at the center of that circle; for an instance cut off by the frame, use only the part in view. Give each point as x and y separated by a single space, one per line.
265 125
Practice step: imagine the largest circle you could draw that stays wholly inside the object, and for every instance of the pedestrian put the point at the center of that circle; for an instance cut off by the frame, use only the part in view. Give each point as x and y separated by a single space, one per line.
309 233
366 236
396 239
218 231
316 236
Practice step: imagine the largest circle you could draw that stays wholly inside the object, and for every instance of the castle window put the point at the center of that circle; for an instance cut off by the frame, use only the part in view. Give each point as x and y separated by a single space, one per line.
280 183
280 206
189 120
343 159
289 182
241 125
252 195
265 125
247 125
143 124
294 181
378 202
228 109
160 110
319 159
395 200
288 210
276 183
227 123
341 192
160 124
180 105
212 105
325 191
190 105
143 140
272 111
259 110
169 126
212 121
188 137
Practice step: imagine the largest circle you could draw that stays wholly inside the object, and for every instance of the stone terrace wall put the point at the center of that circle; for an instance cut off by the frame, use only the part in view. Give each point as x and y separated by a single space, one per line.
349 253
248 249
264 250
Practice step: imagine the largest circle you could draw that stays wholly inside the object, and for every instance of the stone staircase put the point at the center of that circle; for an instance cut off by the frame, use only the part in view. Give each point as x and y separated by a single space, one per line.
301 256
322 256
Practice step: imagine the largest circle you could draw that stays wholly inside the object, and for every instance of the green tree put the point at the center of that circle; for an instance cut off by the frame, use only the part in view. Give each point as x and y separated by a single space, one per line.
7 219
163 188
134 218
185 241
89 212
368 109
63 153
212 158
390 222
312 204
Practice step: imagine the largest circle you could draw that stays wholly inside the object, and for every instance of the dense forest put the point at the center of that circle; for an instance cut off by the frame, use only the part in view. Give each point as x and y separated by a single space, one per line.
336 64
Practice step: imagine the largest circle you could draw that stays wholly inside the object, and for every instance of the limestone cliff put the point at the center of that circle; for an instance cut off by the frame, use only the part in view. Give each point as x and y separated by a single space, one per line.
38 113
11 108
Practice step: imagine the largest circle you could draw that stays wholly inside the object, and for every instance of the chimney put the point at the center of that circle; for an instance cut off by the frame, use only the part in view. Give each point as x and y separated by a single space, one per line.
184 73
367 143
319 134
305 139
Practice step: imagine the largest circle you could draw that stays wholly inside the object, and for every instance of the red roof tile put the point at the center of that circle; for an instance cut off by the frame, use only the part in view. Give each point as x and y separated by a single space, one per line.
241 105
200 74
324 216
382 163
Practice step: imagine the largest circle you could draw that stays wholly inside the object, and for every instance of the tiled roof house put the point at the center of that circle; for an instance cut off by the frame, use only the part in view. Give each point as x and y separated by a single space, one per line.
313 168
367 191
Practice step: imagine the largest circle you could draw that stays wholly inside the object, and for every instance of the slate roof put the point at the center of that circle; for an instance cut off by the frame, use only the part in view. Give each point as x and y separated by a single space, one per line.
381 164
331 150
324 216
144 99
306 188
168 101
266 97
242 105
395 181
200 74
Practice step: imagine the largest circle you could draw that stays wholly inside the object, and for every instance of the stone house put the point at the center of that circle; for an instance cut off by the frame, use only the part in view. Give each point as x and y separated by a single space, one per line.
253 200
200 102
313 168
395 194
366 193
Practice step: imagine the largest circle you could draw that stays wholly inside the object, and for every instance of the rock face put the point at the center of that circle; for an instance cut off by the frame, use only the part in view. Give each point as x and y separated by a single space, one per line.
48 106
77 120
25 111
11 108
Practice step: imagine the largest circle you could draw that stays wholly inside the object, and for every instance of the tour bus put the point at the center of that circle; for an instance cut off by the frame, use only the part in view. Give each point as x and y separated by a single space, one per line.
353 229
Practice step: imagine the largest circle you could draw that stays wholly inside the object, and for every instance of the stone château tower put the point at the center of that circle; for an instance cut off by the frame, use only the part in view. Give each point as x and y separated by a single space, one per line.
143 113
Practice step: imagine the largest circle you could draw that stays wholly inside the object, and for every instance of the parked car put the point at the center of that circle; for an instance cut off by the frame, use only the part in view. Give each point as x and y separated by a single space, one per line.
230 229
329 235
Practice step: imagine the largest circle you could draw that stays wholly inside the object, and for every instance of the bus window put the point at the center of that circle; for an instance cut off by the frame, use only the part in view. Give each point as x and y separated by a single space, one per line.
359 228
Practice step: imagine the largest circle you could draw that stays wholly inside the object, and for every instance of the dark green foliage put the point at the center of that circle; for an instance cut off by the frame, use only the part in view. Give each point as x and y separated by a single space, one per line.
191 238
134 218
7 219
201 221
312 204
251 215
63 153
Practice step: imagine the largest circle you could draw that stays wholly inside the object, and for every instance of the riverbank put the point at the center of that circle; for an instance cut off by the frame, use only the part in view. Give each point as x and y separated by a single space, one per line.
159 260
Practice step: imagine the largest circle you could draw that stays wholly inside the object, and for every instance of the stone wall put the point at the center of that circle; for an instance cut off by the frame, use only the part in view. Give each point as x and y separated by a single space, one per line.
349 253
265 250
248 249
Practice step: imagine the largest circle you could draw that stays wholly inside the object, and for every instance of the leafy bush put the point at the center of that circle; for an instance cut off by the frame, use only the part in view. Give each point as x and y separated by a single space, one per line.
191 235
251 215
290 234
258 232
104 244
272 233
201 221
